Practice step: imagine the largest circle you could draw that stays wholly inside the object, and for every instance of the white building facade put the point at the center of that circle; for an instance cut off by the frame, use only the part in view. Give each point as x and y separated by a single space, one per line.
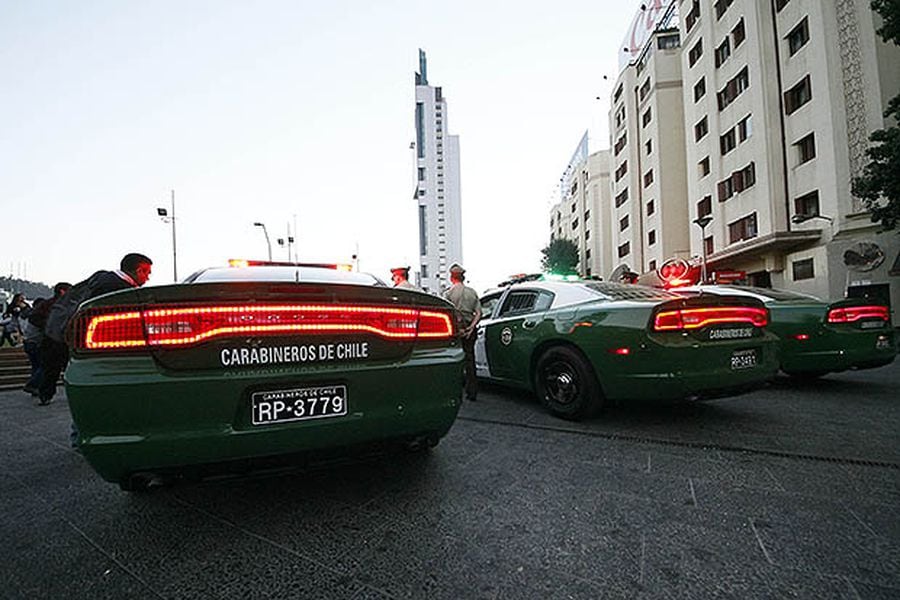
437 190
752 165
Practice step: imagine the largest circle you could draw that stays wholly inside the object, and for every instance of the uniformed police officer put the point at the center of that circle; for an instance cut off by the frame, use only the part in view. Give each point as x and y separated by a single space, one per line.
400 277
465 299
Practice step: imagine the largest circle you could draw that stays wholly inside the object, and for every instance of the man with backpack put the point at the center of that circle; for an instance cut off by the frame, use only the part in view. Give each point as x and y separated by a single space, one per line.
134 271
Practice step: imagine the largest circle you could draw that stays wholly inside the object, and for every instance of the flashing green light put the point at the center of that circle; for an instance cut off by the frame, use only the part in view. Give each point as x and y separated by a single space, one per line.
560 277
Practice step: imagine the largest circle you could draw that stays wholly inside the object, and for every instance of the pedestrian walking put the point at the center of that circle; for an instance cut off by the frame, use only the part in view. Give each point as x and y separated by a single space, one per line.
33 332
468 308
134 271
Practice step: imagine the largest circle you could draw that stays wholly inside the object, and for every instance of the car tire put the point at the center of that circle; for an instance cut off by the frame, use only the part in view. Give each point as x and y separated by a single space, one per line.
566 385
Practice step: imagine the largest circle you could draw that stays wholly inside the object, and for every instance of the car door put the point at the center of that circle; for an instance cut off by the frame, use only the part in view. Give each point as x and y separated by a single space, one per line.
510 336
488 304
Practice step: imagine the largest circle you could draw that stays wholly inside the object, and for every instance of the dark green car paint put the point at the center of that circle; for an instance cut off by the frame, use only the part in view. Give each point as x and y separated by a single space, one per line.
168 410
658 364
830 347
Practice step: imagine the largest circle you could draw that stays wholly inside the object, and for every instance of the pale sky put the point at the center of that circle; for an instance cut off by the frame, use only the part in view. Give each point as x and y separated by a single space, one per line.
267 110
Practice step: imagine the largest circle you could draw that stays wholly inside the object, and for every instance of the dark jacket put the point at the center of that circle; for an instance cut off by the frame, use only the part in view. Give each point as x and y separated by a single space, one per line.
101 282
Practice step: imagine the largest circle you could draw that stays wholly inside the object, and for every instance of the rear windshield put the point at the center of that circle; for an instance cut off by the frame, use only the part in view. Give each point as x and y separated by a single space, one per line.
620 291
296 274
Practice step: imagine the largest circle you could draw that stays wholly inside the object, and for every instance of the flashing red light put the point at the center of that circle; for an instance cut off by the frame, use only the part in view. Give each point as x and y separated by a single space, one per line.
677 282
240 263
180 327
801 337
850 314
697 318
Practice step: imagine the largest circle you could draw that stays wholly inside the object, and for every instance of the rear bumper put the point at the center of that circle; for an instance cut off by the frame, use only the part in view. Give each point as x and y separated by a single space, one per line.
703 371
132 418
839 352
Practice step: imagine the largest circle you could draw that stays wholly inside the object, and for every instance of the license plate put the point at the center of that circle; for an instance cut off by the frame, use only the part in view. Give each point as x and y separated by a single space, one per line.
743 359
871 324
299 404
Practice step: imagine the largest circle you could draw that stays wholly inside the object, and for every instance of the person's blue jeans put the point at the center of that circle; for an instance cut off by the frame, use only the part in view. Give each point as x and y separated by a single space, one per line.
33 350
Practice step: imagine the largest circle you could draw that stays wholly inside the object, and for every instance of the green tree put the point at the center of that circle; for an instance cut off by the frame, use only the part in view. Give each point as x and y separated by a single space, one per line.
560 256
879 184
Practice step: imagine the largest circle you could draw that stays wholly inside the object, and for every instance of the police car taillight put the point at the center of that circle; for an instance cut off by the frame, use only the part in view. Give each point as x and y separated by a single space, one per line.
851 314
697 318
188 326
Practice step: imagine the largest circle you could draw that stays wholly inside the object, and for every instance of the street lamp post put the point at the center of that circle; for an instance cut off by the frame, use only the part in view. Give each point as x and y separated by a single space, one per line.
167 218
268 242
702 222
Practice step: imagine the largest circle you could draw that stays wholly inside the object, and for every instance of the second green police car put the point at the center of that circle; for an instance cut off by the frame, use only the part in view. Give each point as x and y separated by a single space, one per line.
580 344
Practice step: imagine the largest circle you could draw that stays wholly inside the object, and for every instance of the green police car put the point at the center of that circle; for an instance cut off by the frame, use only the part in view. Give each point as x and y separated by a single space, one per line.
578 344
818 337
238 367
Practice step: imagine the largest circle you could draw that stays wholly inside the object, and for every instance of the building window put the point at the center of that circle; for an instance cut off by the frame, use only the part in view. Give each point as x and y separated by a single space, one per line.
649 146
723 51
618 93
621 197
806 148
691 18
651 266
648 177
620 116
668 42
651 207
645 89
651 237
701 129
720 7
744 128
623 223
803 269
620 143
645 118
738 34
587 214
623 168
798 36
742 229
779 4
423 240
798 95
624 249
738 182
700 89
575 223
421 193
735 86
587 253
727 142
708 245
587 235
807 204
695 53
421 173
703 165
704 207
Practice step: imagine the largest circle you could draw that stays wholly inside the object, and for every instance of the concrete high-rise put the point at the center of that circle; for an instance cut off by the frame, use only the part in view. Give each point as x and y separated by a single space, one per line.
437 190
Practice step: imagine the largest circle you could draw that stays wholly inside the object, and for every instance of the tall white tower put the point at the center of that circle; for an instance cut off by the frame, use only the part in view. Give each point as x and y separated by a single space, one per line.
437 192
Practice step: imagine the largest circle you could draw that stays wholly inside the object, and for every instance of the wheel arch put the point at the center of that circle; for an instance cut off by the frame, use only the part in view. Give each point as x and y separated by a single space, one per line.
545 345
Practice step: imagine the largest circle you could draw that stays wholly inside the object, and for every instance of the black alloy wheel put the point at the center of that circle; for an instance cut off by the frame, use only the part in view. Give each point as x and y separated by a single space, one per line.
565 383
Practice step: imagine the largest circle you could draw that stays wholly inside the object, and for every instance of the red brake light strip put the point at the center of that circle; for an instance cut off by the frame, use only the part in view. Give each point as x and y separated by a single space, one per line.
850 314
697 318
187 326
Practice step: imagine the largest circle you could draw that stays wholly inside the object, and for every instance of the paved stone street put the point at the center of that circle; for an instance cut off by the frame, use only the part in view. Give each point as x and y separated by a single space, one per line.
790 491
